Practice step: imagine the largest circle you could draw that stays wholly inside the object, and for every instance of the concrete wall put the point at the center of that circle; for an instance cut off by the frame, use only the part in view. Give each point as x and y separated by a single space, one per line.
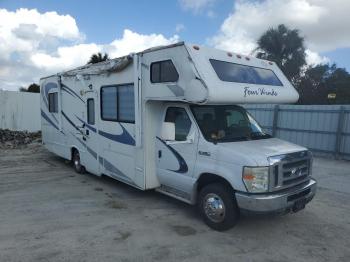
20 111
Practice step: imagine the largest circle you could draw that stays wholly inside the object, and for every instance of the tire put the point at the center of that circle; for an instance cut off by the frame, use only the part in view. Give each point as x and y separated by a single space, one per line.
217 206
76 163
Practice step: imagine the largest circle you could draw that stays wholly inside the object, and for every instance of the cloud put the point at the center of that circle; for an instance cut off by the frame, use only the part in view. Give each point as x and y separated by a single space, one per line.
196 6
65 57
24 29
33 45
76 55
211 14
313 58
324 24
179 28
135 42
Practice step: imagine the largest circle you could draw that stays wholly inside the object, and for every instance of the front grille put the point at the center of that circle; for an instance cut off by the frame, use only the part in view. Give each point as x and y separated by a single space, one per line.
295 164
294 180
289 170
299 195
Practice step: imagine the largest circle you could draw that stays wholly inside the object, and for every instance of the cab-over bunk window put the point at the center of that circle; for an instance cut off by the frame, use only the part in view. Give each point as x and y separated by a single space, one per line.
163 71
231 72
117 103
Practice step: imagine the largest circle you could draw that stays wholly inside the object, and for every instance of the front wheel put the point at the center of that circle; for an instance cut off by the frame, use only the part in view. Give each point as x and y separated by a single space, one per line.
218 206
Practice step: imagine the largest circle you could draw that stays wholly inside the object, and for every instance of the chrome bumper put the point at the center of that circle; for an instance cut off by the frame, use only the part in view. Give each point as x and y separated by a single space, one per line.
279 202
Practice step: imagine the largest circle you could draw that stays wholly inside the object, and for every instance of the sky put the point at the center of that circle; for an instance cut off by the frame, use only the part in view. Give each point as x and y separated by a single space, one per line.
42 37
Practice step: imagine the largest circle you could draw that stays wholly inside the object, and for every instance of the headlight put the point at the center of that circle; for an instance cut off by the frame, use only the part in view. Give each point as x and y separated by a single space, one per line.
256 179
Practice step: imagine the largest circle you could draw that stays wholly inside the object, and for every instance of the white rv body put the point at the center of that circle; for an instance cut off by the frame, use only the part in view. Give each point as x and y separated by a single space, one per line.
134 151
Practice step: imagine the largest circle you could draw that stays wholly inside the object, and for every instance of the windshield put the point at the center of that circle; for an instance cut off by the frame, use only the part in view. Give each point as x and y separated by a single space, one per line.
227 123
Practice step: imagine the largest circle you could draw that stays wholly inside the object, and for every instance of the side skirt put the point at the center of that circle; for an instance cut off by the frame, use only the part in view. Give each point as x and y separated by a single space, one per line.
179 195
120 179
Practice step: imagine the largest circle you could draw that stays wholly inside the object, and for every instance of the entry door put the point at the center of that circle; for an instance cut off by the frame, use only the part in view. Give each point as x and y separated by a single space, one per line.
90 133
176 159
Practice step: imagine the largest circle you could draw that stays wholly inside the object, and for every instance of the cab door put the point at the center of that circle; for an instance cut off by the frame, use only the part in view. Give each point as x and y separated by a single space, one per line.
176 159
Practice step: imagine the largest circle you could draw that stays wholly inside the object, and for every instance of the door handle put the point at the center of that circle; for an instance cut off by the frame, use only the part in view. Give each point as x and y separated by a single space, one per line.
159 153
87 132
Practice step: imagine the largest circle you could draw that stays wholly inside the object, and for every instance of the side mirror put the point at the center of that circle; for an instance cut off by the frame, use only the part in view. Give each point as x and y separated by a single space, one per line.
168 131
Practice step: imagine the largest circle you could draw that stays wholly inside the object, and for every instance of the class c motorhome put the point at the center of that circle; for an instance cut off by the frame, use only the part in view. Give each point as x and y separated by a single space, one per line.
169 119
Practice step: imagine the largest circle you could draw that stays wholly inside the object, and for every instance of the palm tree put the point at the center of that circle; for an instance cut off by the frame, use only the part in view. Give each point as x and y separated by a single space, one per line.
285 47
99 57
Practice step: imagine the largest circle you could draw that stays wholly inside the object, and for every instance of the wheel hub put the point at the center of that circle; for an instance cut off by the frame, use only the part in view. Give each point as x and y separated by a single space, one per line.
214 208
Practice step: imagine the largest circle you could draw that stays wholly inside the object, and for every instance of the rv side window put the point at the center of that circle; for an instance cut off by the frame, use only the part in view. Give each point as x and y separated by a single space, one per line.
109 102
117 103
182 122
126 104
163 71
53 102
91 111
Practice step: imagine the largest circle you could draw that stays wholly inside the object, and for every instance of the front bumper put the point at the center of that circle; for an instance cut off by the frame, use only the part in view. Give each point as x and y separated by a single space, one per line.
280 202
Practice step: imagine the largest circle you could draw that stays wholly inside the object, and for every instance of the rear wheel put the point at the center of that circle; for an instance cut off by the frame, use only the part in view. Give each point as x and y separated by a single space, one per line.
76 163
218 206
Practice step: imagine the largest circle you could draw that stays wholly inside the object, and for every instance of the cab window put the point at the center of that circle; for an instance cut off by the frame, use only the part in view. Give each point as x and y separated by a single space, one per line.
180 118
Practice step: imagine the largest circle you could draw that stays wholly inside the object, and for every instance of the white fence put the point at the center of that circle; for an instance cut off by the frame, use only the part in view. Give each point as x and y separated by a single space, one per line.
20 111
325 129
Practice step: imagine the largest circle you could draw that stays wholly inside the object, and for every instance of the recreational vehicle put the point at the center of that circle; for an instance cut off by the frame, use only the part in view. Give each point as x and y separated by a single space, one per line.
169 119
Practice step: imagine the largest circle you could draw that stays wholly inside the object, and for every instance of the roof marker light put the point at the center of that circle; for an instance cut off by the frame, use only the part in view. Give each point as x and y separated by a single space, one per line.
196 47
270 63
247 58
239 56
229 54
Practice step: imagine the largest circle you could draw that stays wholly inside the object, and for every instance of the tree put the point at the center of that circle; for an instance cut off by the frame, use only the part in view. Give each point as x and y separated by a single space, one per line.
339 83
286 48
312 86
32 88
99 57
319 81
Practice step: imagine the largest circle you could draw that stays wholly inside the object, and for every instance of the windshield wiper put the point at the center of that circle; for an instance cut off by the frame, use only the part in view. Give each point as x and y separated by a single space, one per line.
234 139
257 135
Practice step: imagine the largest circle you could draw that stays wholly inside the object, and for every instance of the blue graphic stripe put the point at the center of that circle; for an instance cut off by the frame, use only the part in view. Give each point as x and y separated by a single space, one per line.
119 174
80 141
183 168
86 124
70 121
72 91
124 138
54 118
69 92
48 119
92 152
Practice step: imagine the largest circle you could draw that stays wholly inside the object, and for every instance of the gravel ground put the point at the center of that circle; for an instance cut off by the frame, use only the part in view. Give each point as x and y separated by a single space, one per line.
50 213
17 139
